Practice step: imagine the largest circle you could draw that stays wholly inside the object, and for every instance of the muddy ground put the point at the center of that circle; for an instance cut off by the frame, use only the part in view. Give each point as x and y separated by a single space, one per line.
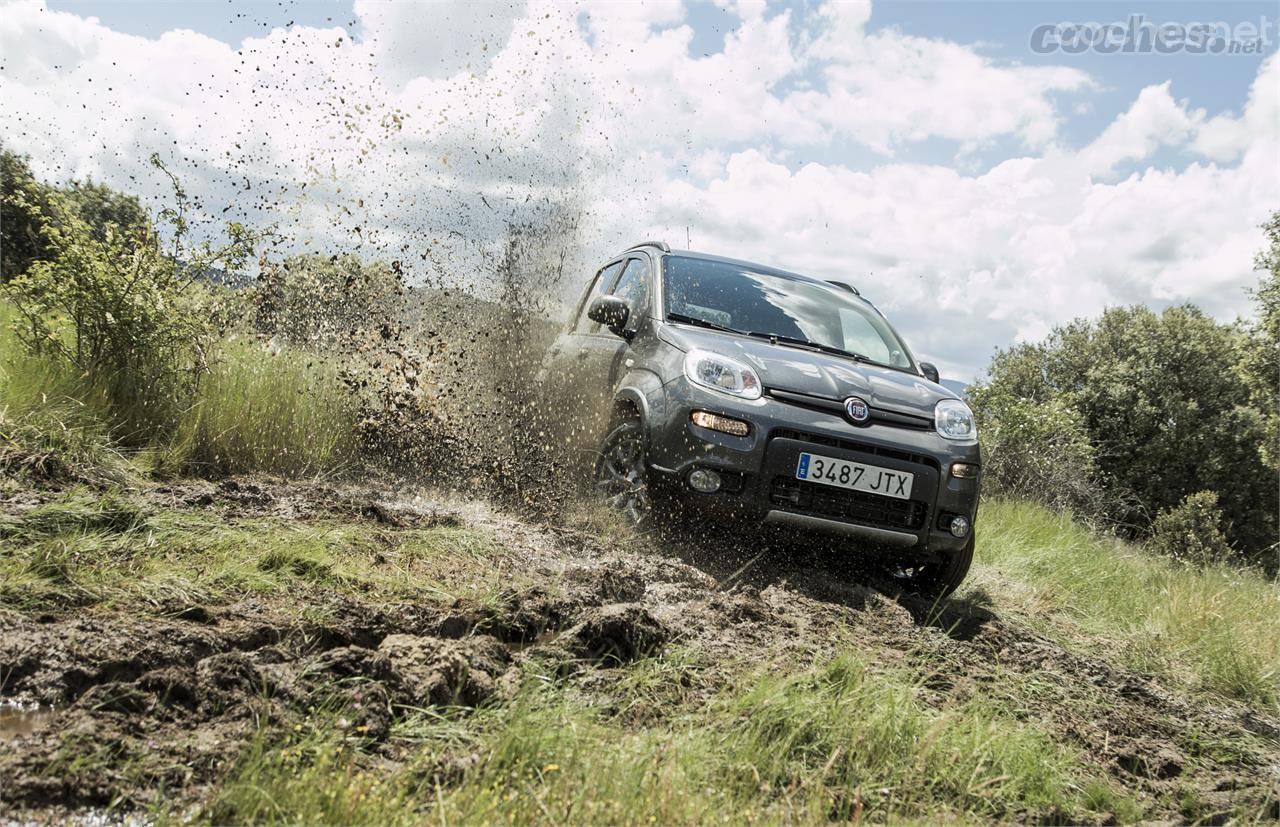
165 700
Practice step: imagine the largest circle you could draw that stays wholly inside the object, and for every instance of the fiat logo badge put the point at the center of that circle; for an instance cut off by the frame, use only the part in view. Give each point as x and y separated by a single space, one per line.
856 409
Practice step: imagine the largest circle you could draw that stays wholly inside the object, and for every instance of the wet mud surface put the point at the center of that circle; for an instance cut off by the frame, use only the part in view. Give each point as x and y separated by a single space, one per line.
166 700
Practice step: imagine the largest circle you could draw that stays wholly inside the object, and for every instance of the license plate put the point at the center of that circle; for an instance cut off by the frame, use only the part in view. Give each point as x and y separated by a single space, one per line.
844 474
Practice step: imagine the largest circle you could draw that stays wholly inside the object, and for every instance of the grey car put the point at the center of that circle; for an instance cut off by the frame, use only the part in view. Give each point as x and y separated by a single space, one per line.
773 399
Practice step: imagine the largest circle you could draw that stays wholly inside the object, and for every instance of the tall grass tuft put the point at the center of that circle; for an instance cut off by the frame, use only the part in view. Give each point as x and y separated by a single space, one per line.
268 409
1214 627
258 409
52 421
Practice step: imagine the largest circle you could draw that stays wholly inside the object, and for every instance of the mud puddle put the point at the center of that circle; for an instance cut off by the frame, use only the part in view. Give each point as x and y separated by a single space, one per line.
19 720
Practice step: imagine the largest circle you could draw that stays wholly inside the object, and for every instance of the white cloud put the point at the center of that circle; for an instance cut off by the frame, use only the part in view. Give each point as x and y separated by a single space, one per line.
887 87
1153 120
436 39
413 130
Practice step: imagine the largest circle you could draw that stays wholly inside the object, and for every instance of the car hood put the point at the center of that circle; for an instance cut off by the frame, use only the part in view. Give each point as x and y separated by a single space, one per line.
817 374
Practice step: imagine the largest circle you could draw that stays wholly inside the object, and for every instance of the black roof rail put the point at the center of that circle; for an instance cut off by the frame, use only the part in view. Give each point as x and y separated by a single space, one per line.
844 286
661 245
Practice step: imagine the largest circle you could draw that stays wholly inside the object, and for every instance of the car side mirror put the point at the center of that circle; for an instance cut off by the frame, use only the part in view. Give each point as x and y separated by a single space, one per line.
930 371
610 311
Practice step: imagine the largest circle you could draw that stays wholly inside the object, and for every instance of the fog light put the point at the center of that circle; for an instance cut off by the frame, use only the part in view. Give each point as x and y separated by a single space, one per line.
959 526
963 470
723 424
704 480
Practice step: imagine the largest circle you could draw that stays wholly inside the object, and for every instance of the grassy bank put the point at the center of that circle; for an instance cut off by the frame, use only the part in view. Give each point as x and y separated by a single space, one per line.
88 549
840 740
1216 628
689 735
254 409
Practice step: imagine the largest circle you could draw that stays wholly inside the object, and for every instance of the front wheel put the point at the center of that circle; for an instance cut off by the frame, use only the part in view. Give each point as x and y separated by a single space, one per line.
936 580
622 473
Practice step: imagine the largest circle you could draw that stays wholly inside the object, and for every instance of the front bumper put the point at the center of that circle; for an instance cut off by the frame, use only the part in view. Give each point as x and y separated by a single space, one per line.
760 468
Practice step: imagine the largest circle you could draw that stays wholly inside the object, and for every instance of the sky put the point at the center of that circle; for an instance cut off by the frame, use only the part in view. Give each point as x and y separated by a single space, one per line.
978 190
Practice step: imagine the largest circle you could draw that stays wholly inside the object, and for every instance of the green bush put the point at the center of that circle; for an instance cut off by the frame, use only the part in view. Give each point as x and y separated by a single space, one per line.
26 201
1159 399
1191 531
113 305
1260 361
1036 450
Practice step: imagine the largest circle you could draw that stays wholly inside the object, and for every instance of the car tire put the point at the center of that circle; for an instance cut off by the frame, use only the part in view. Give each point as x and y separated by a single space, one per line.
621 474
938 580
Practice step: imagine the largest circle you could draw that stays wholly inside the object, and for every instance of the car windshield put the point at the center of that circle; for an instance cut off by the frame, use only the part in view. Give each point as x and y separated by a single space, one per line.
742 300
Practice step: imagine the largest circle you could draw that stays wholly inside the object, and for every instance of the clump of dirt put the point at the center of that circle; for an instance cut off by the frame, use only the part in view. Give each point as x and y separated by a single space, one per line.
152 696
617 634
447 672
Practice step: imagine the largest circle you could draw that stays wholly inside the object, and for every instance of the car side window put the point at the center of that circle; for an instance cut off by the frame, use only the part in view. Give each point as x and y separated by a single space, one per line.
633 287
603 286
860 337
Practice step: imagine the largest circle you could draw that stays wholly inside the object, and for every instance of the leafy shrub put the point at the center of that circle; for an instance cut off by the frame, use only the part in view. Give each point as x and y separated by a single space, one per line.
1159 398
1037 451
118 309
1191 531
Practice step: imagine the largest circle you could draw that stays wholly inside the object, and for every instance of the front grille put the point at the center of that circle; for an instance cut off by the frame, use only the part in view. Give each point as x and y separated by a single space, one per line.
835 407
850 445
848 506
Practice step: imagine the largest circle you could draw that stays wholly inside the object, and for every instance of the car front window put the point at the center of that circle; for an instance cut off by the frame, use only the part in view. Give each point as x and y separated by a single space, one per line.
747 301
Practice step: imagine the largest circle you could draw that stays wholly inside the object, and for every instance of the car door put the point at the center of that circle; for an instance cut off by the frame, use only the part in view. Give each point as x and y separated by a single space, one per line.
599 350
566 385
603 353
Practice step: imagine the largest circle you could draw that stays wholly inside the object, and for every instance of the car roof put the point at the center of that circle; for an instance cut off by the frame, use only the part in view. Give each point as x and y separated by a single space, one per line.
747 265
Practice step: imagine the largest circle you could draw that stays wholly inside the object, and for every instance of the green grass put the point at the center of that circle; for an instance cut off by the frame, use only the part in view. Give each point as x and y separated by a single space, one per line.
838 740
51 419
270 410
260 410
1216 628
90 549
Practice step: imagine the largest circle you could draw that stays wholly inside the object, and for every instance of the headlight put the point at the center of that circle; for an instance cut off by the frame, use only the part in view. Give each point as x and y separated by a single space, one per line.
954 420
720 373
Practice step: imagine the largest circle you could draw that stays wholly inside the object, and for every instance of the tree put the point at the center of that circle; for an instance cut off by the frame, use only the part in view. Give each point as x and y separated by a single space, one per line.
1260 358
25 206
1160 398
23 200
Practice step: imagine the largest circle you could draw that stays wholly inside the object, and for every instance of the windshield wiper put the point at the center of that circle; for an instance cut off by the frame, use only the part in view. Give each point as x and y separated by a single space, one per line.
811 345
793 341
694 320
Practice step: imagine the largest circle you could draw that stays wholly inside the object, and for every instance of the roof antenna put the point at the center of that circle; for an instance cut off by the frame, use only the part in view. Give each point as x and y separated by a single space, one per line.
688 245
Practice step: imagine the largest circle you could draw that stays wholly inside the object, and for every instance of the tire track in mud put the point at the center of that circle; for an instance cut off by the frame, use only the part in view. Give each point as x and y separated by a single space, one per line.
168 701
